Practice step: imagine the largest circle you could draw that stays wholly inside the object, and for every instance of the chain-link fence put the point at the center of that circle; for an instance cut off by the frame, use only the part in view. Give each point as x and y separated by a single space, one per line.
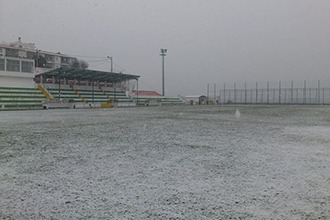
313 92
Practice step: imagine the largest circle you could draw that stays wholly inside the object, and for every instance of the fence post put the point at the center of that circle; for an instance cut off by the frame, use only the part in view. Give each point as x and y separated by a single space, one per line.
292 92
215 94
279 92
304 92
245 92
208 98
297 96
241 99
256 92
318 92
235 93
224 93
267 93
220 96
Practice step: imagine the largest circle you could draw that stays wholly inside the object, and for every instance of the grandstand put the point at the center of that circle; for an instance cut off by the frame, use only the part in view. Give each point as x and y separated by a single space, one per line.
13 98
87 88
28 83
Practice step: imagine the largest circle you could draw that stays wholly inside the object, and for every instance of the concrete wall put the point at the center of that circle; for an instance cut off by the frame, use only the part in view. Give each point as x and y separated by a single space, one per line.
16 79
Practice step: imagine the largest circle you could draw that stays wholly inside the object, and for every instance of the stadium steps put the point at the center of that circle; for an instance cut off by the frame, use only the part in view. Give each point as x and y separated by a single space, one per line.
120 96
44 91
172 101
20 98
89 97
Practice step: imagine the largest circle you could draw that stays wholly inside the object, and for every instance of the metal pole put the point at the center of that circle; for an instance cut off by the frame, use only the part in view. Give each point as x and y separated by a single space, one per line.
268 93
93 92
256 92
163 54
318 92
245 96
234 93
297 95
111 63
220 96
279 92
215 98
59 84
114 95
224 93
305 93
37 64
208 93
59 88
163 77
137 91
291 92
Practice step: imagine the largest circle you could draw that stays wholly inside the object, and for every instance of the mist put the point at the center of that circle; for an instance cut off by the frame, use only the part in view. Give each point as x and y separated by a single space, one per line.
207 41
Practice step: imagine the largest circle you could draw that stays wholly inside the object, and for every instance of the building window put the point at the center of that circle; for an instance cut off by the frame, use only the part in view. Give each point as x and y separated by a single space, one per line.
11 52
27 67
22 53
2 64
13 65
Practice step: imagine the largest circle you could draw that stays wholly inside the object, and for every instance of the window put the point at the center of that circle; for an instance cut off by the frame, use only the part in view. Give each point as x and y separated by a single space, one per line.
2 64
22 53
27 66
11 52
13 65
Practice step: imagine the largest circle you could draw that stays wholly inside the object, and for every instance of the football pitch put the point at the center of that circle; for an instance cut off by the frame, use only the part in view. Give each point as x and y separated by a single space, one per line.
178 162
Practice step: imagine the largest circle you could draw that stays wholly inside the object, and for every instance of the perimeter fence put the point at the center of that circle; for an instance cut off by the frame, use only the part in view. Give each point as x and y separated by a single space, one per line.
312 92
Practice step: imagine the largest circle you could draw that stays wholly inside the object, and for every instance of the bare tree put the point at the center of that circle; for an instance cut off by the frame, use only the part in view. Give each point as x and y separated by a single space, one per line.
83 64
79 64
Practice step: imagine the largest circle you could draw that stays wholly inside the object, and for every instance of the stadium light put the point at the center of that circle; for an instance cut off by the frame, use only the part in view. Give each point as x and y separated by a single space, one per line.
111 62
163 54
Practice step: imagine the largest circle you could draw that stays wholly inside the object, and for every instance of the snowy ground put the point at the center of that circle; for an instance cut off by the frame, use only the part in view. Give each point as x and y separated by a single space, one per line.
187 162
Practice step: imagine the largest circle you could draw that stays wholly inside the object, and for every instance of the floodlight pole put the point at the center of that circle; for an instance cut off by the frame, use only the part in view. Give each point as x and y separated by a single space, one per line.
163 54
111 62
114 81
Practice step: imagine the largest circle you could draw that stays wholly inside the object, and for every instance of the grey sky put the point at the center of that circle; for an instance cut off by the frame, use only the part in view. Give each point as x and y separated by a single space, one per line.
211 41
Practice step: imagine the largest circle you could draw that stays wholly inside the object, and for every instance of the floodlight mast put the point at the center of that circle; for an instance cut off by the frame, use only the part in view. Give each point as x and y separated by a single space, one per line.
114 82
111 62
163 54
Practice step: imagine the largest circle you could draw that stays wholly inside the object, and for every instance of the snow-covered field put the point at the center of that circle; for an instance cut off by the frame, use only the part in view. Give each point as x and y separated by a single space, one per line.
187 162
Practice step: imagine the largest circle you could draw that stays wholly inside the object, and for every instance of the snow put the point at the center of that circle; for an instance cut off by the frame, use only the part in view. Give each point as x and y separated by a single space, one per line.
184 162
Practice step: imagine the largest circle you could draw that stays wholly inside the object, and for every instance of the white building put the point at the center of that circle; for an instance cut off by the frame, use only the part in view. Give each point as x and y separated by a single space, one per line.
19 62
195 100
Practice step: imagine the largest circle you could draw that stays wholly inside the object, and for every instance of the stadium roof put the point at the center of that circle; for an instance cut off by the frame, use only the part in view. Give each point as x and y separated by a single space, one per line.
86 74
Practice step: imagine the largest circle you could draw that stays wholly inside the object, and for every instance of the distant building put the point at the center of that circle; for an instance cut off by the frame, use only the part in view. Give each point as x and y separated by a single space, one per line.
19 62
195 100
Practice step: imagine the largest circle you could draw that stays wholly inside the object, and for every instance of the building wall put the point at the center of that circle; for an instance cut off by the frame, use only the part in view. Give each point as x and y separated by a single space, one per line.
16 72
17 66
16 79
29 51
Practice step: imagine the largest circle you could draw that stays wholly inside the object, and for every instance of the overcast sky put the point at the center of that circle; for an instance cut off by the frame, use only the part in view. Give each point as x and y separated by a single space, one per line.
208 41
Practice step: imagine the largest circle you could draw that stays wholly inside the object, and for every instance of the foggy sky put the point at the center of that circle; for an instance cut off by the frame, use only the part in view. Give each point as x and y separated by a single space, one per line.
208 41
